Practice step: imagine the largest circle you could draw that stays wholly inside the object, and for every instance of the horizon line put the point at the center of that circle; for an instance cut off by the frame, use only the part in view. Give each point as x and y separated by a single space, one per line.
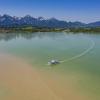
46 18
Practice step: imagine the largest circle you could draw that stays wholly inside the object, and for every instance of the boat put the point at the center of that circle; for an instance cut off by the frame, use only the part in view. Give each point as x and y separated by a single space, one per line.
53 62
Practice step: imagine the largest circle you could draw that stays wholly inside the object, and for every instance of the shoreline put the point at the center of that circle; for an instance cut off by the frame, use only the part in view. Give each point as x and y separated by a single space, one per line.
32 29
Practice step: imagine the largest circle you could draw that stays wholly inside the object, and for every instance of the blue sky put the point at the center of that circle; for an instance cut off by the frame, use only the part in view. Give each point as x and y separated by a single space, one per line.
69 10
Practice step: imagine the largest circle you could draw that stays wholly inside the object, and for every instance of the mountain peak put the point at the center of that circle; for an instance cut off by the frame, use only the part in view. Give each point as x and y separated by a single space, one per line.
40 18
28 16
53 19
7 20
6 15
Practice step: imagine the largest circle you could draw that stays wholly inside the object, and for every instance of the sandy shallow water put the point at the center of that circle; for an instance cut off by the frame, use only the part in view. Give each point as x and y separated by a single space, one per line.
20 81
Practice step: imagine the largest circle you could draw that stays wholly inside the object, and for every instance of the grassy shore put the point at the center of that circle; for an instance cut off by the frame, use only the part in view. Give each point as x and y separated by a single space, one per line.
29 29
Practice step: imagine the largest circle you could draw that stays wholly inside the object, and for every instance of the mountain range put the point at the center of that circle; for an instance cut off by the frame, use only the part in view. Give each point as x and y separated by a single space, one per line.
9 21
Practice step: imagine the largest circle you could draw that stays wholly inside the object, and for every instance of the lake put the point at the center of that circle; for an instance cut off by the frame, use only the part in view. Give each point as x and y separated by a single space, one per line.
26 75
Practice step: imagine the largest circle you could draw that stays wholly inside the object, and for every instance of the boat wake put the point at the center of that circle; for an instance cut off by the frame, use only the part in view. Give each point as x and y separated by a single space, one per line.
81 54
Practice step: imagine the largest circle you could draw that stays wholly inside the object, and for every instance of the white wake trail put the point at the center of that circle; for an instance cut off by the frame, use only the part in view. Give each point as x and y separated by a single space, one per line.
82 54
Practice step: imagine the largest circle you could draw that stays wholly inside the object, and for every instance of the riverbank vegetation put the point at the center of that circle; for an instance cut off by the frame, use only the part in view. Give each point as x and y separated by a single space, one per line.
30 29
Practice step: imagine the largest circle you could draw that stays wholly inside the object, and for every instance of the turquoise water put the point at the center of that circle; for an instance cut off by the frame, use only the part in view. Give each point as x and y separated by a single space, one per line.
39 48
